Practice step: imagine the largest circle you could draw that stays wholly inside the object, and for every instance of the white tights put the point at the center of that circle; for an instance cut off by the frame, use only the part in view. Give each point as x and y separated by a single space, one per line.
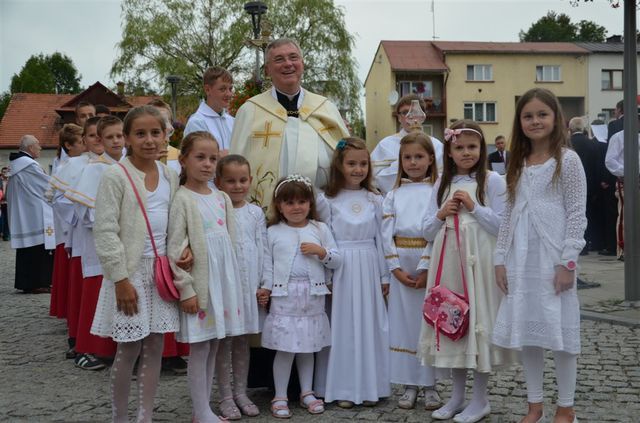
282 371
233 358
148 376
202 359
479 397
566 369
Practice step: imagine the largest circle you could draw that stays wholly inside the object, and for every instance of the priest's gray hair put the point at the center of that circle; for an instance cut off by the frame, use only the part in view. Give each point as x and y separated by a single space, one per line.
281 42
577 124
27 141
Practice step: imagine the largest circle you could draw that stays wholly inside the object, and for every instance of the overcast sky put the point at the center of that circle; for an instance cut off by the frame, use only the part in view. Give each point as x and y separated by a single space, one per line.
88 30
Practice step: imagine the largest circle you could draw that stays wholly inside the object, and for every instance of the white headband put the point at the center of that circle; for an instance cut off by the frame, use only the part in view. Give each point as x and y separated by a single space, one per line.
295 178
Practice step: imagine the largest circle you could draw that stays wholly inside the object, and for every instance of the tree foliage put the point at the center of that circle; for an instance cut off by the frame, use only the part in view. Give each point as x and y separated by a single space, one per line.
167 37
558 27
5 97
53 73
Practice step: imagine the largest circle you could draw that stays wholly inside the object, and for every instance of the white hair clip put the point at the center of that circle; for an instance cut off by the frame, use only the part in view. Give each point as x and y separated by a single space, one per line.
295 178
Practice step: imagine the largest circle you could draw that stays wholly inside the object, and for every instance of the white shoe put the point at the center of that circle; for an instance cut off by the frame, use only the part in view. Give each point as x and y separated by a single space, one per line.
445 414
461 418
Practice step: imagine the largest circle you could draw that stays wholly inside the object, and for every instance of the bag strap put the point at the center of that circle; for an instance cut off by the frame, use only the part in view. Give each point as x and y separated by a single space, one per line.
144 213
456 224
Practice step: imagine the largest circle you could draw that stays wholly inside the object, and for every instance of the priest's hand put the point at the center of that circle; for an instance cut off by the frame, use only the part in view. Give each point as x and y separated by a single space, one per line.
126 297
404 278
190 305
186 260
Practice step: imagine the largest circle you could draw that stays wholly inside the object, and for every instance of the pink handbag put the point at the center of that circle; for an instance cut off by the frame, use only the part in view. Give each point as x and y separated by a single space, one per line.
162 270
445 310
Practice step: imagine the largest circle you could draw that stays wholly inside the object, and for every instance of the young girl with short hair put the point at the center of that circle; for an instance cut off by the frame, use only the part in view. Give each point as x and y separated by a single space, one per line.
358 369
130 309
476 197
210 300
233 176
403 210
299 251
540 239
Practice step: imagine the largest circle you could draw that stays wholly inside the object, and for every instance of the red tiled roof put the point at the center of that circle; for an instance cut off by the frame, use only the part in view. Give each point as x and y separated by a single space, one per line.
413 56
491 47
35 114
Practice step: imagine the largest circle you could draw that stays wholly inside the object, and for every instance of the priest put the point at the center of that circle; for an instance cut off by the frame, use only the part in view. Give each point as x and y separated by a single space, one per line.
30 218
286 129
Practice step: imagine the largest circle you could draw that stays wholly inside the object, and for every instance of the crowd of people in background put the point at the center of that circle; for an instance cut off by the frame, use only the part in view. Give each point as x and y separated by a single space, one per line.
278 224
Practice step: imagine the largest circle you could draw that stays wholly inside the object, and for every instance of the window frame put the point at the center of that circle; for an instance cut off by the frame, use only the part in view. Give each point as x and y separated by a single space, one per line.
472 106
483 68
611 79
542 68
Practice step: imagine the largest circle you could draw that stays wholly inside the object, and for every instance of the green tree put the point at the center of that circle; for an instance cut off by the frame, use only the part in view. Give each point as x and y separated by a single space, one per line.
558 27
165 37
53 73
5 97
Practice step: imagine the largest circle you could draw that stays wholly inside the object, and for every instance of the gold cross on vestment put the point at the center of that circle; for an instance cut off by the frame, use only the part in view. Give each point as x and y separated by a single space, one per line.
49 231
266 134
327 128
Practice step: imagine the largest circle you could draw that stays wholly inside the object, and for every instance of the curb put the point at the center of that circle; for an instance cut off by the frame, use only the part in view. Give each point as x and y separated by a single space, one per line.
609 318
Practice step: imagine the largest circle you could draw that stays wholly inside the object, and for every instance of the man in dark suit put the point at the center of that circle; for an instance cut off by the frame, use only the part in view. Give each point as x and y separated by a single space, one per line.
498 156
587 149
607 191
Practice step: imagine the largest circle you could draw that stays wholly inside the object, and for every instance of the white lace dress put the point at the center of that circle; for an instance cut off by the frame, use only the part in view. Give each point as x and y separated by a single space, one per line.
543 228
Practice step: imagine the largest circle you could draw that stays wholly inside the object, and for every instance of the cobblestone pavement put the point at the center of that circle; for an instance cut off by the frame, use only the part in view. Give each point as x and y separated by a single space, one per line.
38 385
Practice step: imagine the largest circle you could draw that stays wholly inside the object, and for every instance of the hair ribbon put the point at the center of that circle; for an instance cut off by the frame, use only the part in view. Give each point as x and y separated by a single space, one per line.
452 134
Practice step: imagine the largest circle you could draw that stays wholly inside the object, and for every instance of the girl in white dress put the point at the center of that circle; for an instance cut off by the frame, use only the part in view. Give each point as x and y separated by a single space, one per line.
299 252
467 189
358 369
403 210
540 239
210 302
233 176
129 308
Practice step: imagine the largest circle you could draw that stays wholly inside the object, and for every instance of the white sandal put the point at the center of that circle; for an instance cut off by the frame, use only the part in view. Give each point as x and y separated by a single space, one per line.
408 399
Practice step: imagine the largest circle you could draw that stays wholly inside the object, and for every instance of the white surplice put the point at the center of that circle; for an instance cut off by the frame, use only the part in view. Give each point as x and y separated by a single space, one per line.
220 125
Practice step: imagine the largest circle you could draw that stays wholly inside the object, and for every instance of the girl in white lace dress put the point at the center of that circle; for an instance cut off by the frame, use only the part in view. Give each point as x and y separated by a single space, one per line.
477 196
129 308
403 210
210 301
299 252
358 369
540 239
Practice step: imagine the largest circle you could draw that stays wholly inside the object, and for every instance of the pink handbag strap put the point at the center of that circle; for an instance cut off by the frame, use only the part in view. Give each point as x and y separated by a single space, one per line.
144 213
456 224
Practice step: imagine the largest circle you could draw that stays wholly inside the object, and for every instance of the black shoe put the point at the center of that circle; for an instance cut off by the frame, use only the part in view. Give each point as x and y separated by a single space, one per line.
70 353
606 252
584 252
621 258
176 364
89 362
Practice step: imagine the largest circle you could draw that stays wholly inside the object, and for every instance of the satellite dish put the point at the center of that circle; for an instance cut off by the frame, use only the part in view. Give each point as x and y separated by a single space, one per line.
393 97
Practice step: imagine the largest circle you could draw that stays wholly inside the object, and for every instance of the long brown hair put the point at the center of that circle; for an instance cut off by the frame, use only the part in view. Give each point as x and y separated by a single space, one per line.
424 141
336 177
187 145
520 145
136 113
291 190
449 168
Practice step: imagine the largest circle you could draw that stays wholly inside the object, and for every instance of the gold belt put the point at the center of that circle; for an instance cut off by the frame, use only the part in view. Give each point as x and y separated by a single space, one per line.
407 242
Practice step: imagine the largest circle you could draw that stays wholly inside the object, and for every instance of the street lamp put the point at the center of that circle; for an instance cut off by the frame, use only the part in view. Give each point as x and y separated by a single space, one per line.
173 81
256 9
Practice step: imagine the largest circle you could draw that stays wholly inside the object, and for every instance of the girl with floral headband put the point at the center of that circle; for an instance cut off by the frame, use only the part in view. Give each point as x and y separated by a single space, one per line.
470 194
358 369
299 252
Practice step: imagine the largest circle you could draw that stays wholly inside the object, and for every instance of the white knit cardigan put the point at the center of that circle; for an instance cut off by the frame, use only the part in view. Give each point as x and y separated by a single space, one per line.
186 228
119 227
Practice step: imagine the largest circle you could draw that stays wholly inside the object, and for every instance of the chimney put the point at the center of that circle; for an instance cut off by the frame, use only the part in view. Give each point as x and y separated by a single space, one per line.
614 39
120 85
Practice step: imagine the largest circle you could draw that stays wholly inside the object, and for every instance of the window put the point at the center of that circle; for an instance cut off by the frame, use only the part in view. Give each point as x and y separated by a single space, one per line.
479 72
423 88
548 73
611 79
480 112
